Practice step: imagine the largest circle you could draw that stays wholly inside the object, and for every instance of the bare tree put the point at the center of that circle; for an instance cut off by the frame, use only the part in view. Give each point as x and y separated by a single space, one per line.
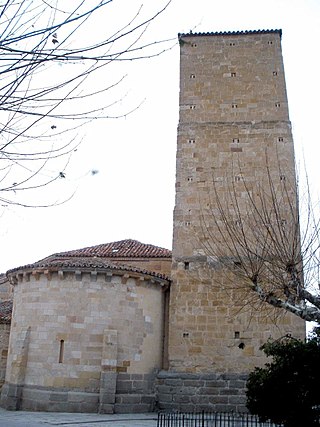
265 235
53 59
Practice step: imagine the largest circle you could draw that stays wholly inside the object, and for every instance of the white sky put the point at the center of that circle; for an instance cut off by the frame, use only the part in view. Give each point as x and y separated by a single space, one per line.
132 196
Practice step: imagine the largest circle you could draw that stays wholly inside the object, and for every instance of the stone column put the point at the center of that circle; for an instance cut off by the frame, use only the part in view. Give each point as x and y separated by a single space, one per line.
12 390
108 379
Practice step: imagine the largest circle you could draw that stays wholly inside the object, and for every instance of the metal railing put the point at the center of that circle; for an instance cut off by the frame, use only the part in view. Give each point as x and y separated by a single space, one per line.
210 419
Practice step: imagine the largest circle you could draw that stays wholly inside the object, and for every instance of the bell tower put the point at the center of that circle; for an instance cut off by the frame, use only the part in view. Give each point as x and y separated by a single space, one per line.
233 122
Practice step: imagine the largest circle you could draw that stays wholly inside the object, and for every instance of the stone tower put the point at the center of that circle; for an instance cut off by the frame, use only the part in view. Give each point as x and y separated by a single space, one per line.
233 122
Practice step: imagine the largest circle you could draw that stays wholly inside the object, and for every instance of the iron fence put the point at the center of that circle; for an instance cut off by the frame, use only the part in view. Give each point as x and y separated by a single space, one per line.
210 419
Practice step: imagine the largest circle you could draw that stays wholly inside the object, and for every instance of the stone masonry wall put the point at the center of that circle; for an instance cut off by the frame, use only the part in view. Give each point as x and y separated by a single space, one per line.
233 128
4 344
201 392
84 331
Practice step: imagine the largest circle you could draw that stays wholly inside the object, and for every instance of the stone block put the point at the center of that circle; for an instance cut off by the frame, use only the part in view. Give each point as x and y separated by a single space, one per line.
165 397
106 398
174 382
194 383
106 409
58 397
198 400
237 400
181 398
164 389
150 400
86 397
124 386
128 399
209 390
131 408
228 392
240 384
215 383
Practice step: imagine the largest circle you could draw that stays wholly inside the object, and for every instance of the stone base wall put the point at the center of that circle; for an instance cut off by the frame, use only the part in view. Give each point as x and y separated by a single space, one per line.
133 393
197 392
33 398
137 393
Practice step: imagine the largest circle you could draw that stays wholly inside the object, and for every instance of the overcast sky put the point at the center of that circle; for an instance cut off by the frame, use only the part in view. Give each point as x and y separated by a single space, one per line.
132 195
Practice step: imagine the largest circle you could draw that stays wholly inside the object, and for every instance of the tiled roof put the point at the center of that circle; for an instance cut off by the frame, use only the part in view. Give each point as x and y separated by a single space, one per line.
78 263
122 249
5 311
97 258
230 33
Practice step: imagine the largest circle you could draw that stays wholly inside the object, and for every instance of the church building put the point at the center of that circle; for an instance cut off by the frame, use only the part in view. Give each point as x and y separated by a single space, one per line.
131 327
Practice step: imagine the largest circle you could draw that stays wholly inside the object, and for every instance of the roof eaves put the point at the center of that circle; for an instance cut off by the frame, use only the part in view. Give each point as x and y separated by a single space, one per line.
230 33
84 266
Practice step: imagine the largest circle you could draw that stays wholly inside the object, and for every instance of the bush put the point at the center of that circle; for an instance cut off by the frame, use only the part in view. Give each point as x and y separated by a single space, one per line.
287 389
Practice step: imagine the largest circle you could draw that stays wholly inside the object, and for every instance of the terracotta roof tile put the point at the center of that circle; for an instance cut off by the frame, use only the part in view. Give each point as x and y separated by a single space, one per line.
55 263
98 258
122 249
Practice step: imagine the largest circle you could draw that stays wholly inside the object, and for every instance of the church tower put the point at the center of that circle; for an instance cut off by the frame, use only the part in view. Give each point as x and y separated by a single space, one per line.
234 135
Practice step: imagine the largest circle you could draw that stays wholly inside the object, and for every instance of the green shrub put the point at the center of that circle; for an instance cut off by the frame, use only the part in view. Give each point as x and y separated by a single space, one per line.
287 390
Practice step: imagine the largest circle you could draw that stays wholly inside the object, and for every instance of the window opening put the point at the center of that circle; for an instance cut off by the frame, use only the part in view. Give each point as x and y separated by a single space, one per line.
61 351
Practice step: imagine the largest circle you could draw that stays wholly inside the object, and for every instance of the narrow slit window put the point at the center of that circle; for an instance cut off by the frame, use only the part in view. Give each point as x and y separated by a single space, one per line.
61 351
280 139
233 74
270 42
277 104
234 106
186 265
237 335
192 76
236 140
275 73
282 177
